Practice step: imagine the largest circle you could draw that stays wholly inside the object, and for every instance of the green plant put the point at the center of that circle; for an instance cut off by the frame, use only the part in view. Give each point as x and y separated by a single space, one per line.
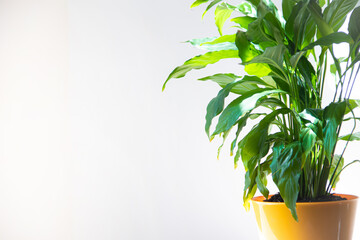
287 57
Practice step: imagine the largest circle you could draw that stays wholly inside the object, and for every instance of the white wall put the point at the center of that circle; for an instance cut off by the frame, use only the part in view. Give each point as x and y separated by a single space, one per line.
90 146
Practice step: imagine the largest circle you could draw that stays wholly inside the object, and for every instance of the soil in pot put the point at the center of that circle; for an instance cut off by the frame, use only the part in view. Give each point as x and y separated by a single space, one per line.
326 198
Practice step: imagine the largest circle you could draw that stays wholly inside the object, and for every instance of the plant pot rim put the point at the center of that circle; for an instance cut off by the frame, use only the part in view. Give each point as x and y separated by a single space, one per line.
349 197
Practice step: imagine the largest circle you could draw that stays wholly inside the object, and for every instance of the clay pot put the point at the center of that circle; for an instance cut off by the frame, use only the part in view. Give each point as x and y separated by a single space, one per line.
317 220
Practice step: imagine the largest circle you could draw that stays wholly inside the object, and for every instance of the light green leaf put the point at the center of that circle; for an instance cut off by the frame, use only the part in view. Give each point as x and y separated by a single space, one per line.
198 2
246 50
240 106
335 14
247 9
272 56
352 104
243 21
222 13
351 137
334 163
246 84
213 3
286 170
199 62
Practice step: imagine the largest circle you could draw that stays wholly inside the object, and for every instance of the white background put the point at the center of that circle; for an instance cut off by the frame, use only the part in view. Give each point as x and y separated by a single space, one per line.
90 148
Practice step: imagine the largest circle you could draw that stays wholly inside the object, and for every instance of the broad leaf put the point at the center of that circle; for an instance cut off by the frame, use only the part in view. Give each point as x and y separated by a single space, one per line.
255 145
246 50
315 11
307 139
351 137
335 14
240 106
216 105
334 163
243 21
272 56
199 62
222 13
287 7
214 44
286 169
337 37
333 115
352 104
354 26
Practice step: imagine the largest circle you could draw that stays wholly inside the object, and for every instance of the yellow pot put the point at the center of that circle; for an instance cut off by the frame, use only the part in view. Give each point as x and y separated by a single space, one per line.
317 220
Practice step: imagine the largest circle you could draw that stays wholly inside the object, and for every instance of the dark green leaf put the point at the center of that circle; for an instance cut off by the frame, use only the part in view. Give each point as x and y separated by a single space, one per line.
315 11
216 105
286 170
335 14
199 62
287 7
246 50
354 26
333 115
240 106
337 37
307 139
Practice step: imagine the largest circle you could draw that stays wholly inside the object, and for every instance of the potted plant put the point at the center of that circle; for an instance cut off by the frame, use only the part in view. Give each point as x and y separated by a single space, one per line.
289 59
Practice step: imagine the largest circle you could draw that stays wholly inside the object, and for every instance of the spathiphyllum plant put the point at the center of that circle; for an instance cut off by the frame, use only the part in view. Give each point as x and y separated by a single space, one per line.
286 60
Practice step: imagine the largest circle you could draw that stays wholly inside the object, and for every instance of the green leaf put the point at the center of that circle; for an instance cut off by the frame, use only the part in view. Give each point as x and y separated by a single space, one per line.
199 62
335 14
216 105
315 11
337 37
307 139
247 51
213 3
222 13
222 39
334 163
240 125
240 106
243 21
247 9
351 137
333 115
286 170
287 7
198 2
256 33
214 44
254 145
354 26
352 104
272 56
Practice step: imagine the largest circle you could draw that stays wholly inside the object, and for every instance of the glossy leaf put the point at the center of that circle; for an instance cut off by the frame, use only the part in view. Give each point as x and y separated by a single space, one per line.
199 62
351 137
337 37
335 14
243 21
354 26
216 105
222 13
240 106
213 3
286 169
333 115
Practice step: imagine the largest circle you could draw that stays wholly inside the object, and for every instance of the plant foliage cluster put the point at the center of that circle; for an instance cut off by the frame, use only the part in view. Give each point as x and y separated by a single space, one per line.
286 56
